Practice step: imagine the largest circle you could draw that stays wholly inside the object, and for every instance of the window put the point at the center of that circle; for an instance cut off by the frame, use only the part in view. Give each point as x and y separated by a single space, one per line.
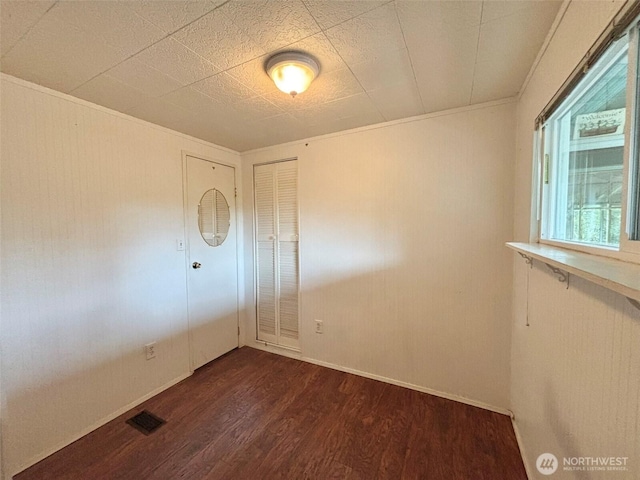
588 144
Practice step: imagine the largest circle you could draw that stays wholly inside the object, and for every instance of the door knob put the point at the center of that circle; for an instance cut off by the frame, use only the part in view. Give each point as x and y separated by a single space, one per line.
196 265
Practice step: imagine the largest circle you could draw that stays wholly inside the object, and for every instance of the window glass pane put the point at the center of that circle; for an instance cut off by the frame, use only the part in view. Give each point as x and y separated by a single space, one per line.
586 147
634 184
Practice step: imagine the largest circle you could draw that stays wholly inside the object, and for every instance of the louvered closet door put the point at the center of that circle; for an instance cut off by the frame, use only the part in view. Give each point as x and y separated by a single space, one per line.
276 197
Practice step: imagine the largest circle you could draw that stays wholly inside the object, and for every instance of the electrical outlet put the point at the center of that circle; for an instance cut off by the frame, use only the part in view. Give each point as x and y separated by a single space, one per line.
150 350
319 326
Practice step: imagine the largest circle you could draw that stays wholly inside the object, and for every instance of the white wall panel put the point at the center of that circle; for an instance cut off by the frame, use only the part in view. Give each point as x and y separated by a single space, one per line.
575 369
91 210
402 229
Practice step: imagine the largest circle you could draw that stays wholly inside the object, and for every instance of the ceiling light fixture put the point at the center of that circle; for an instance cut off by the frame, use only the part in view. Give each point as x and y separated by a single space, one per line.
292 72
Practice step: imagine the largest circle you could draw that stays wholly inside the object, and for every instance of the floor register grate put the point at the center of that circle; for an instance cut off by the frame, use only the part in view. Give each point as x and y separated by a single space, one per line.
146 422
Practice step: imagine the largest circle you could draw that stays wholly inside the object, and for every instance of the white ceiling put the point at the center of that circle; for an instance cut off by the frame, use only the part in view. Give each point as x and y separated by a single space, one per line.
197 66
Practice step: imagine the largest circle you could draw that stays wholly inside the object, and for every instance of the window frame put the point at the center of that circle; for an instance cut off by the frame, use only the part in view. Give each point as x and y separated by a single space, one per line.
628 249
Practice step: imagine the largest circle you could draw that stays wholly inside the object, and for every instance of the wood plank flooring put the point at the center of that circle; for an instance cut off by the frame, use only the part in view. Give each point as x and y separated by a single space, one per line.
256 415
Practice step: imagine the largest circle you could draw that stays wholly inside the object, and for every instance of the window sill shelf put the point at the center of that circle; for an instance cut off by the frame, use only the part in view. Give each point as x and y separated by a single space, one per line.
621 277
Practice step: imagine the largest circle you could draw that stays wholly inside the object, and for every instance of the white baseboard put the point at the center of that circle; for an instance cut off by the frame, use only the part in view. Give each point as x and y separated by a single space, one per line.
269 347
527 468
419 388
32 461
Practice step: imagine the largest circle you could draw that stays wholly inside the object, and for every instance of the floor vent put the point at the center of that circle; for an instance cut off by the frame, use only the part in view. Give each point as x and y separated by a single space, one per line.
146 422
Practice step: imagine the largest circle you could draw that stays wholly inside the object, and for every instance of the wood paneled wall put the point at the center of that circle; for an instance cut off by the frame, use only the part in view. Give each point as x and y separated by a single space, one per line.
575 387
402 231
91 210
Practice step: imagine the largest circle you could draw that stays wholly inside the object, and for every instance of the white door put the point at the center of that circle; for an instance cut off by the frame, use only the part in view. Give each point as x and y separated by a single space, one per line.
212 259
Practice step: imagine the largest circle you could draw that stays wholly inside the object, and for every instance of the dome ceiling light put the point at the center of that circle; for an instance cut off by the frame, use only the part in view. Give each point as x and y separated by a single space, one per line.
292 72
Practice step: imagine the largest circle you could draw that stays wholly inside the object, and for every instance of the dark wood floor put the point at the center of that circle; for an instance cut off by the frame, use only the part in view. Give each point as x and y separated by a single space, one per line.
255 415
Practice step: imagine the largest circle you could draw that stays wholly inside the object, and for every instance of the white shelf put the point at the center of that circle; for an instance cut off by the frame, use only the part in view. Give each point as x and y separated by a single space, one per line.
621 277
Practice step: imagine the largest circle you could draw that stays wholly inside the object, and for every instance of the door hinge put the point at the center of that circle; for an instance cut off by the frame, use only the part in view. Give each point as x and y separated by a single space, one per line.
235 192
238 330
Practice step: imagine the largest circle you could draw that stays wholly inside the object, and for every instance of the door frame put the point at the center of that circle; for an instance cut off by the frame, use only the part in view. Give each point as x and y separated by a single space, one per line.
187 252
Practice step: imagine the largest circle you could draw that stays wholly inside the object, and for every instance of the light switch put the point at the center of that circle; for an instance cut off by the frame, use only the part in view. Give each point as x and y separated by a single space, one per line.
180 245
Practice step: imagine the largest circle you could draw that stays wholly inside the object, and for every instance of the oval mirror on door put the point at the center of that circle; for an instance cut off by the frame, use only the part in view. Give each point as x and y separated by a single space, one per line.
214 217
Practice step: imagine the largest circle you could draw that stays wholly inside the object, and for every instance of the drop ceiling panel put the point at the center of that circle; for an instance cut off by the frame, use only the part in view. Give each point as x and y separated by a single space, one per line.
224 88
193 101
105 90
273 24
521 28
444 67
176 61
219 40
171 15
503 8
138 75
59 55
114 22
197 66
368 36
160 112
329 13
492 78
256 108
359 105
390 69
501 66
397 101
419 18
16 18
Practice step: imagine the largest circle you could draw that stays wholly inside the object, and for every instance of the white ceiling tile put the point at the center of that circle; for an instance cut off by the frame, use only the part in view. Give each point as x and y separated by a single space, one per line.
390 69
274 24
253 75
143 77
322 50
331 12
368 36
316 115
523 31
444 67
502 66
256 108
495 80
359 105
354 106
219 40
171 15
193 101
114 22
397 101
224 88
16 18
157 111
357 121
494 9
59 55
109 92
436 17
177 61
